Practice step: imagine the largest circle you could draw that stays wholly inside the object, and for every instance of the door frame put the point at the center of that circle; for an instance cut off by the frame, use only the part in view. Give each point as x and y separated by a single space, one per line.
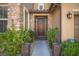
46 23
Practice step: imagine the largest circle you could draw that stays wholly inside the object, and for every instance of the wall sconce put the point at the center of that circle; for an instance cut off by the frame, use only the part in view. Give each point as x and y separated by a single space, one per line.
69 15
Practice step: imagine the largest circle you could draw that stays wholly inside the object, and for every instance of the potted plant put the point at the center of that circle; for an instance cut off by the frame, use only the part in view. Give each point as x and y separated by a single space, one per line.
32 34
28 37
12 42
52 35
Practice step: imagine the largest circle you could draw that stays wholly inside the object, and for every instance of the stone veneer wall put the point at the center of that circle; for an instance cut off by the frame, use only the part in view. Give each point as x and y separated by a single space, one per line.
15 13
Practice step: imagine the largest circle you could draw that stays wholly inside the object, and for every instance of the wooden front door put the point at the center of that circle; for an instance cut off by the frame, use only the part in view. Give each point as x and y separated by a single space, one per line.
40 26
76 27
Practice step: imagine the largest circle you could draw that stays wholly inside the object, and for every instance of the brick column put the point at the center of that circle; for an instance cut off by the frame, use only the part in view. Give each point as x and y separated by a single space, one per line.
14 15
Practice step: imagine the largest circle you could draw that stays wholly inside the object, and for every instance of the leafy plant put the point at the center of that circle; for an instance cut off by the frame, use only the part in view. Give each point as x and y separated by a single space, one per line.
12 41
25 36
2 38
51 35
70 48
32 34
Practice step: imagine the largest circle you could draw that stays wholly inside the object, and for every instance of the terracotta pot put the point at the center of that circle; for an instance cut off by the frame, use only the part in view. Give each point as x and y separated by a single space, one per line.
26 49
56 49
1 51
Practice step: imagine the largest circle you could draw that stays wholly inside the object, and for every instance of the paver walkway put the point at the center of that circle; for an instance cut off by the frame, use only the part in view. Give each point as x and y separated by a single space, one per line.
41 48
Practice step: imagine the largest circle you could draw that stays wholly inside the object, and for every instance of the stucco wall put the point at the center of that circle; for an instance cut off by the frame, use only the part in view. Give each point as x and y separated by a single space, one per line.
56 20
68 24
32 19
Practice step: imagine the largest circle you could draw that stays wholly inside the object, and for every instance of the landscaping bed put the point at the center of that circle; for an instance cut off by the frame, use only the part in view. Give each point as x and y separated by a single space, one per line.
54 45
11 41
66 48
70 48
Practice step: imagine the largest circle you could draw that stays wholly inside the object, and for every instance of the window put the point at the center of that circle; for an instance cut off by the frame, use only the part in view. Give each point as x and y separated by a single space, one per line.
3 12
3 18
41 6
3 25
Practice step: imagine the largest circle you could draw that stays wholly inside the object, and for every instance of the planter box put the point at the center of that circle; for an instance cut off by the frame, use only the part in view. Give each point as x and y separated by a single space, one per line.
26 49
56 49
31 47
1 51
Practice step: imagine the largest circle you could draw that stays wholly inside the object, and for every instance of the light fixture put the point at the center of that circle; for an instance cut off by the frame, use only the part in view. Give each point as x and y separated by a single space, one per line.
69 15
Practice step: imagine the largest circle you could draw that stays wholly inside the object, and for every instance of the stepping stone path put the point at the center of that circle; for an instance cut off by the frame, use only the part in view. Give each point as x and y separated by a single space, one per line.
40 48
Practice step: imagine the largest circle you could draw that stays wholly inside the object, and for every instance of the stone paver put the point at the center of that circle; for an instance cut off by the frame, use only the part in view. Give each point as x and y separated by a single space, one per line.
41 48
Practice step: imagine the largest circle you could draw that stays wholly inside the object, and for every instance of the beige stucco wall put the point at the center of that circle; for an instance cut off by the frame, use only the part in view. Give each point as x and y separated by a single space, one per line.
68 24
55 15
32 19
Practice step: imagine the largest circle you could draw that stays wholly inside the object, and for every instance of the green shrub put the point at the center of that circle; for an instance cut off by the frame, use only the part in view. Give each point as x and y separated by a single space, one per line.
32 34
51 35
12 41
2 39
70 49
25 36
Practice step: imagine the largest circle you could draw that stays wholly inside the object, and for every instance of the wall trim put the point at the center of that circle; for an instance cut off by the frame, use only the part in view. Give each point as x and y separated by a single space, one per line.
3 18
26 10
4 5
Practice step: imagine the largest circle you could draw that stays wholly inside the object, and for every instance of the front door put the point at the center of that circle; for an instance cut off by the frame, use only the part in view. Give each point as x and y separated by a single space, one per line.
41 26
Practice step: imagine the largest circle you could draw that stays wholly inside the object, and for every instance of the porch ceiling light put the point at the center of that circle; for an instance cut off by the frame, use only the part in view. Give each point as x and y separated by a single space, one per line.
69 15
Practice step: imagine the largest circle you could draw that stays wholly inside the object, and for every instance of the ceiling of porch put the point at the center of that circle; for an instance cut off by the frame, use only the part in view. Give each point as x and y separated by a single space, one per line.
51 7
